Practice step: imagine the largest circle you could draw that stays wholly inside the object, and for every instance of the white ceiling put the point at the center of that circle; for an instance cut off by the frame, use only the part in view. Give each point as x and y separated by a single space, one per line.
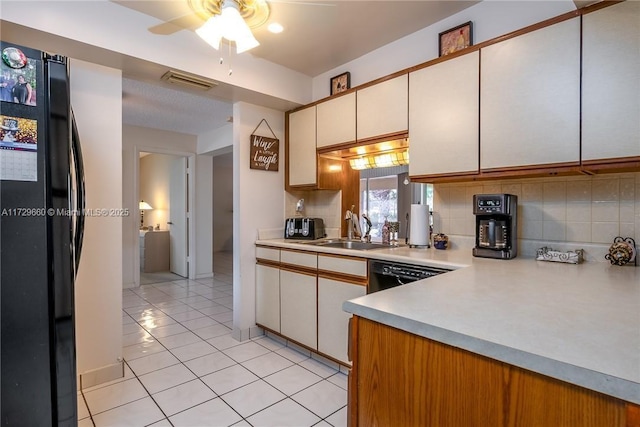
157 107
319 36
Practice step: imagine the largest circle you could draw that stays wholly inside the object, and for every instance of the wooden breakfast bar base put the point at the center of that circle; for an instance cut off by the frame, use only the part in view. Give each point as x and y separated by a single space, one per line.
401 379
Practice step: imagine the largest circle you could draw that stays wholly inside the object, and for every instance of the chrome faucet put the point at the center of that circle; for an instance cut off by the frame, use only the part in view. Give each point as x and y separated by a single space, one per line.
351 228
367 237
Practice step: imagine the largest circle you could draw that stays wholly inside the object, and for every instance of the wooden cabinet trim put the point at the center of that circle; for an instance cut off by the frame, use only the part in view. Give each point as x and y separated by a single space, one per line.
588 168
340 277
334 150
382 138
619 162
352 385
267 262
349 257
298 250
550 168
299 269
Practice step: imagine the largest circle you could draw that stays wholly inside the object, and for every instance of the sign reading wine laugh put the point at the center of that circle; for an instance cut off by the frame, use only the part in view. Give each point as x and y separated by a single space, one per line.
265 151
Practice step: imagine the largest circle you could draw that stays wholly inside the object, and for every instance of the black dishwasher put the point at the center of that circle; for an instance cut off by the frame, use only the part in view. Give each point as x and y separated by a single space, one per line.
387 274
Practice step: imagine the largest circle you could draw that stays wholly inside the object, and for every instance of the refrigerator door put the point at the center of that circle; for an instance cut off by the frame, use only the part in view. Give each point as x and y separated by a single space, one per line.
38 372
78 192
60 239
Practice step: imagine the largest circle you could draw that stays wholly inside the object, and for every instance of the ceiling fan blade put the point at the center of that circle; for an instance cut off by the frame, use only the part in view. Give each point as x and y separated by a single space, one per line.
186 22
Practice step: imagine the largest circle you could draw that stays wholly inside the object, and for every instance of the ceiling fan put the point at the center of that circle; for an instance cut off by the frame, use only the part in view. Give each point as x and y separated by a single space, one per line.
213 20
229 19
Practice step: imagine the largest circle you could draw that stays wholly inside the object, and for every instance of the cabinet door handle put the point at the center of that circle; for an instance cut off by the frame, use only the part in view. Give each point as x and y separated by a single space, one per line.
170 223
349 337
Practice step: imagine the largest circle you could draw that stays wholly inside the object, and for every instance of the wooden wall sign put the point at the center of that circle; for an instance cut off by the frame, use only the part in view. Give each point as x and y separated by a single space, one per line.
265 151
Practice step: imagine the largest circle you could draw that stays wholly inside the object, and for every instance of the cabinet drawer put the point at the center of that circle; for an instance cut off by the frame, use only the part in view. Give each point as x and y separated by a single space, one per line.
343 265
270 254
302 259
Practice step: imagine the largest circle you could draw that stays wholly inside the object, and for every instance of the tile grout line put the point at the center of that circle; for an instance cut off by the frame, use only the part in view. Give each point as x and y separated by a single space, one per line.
195 299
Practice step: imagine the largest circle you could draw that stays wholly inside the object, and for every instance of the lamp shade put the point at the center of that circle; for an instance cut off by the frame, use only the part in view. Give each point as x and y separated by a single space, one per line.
144 205
230 25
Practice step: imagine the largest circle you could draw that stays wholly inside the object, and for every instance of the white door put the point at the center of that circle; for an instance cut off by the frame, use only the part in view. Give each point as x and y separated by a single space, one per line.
178 222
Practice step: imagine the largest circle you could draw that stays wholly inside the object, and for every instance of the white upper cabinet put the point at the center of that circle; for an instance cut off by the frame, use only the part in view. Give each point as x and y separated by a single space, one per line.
530 98
443 117
383 108
337 120
302 147
611 82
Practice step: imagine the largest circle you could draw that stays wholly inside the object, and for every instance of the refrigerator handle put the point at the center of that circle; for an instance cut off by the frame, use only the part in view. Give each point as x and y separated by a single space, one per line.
78 164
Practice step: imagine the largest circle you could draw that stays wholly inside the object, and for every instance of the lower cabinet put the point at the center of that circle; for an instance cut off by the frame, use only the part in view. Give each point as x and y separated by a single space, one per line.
401 379
268 296
333 322
298 307
299 295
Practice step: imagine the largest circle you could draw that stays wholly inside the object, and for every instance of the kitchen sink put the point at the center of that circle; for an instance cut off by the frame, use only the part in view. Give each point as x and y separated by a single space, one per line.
349 244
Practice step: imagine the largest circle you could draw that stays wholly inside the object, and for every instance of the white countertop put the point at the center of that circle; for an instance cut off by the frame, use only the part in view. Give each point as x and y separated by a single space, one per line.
576 323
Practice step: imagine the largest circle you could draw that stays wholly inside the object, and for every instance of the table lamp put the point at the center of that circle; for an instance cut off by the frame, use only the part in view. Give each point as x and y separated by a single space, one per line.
143 206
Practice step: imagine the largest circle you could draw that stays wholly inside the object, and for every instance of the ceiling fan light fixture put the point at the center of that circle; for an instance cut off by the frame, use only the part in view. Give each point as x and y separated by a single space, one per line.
211 33
230 25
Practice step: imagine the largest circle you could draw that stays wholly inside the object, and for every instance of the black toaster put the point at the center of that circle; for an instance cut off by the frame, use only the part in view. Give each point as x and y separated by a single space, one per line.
304 228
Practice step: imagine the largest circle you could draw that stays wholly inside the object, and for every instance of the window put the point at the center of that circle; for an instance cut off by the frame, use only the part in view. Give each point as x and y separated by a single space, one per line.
385 193
379 200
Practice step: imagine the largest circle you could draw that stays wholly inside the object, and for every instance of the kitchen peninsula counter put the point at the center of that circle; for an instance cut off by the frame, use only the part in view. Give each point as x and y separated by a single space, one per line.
576 323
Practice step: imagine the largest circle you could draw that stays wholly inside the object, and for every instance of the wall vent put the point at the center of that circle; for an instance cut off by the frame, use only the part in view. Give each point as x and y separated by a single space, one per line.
176 77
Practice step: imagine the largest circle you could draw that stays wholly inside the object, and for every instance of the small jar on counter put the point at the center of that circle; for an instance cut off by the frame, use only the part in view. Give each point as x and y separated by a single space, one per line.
386 232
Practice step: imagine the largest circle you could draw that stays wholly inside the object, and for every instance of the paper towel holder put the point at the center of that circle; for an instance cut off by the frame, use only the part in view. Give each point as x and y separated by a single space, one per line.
418 233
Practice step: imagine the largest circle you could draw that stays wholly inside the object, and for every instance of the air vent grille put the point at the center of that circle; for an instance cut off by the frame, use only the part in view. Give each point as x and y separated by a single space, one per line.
176 77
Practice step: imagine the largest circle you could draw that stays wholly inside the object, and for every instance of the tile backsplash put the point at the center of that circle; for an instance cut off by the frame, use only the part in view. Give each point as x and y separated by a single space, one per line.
581 209
325 204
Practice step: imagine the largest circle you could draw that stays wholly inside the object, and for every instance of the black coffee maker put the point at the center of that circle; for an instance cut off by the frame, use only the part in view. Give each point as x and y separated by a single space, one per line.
496 225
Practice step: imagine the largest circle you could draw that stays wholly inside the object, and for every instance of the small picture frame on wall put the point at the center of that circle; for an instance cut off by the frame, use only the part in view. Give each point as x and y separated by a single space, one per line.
340 83
455 39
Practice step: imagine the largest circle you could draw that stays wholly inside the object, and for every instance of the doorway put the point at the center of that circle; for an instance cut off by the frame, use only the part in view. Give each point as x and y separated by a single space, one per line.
223 217
164 217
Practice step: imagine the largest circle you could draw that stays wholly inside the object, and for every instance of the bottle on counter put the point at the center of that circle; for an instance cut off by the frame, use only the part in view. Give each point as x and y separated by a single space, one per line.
386 232
430 227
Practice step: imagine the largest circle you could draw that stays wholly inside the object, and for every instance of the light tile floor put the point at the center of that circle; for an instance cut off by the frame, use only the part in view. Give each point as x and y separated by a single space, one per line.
183 368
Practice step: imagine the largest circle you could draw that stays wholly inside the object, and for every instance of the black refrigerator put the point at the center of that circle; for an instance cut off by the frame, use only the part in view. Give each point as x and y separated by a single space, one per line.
41 223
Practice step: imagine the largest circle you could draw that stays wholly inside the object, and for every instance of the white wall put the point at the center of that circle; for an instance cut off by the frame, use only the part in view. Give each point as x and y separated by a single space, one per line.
203 217
217 141
154 188
490 19
223 203
97 103
258 202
